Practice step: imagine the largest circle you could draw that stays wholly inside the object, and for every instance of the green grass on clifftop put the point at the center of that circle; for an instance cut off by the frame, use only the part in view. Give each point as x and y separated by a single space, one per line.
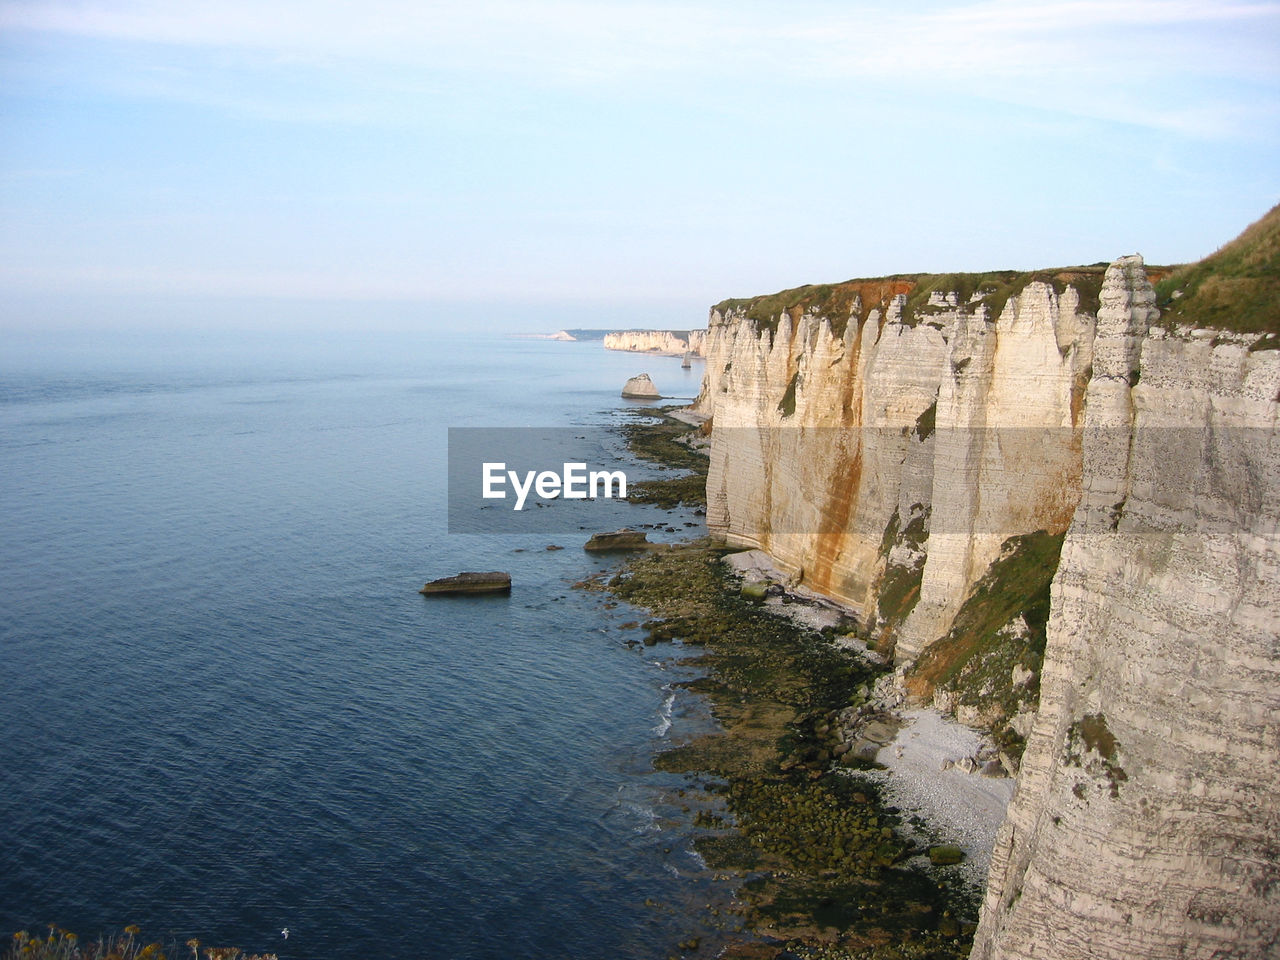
836 301
1237 288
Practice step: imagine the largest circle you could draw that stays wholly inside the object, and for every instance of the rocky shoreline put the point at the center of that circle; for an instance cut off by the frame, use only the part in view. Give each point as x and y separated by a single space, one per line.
827 864
951 774
828 803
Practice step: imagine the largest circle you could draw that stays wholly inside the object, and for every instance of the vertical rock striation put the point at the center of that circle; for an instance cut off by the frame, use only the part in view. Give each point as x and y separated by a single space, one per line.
1146 821
887 455
913 442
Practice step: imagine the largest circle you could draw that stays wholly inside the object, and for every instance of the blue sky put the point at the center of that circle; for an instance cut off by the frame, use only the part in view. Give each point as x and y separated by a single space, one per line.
630 162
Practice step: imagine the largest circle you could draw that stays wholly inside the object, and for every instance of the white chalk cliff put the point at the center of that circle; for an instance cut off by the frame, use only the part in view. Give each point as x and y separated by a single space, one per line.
895 447
1147 818
823 442
674 343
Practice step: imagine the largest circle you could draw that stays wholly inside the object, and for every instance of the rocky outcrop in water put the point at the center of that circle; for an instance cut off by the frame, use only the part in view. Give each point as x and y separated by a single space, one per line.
624 539
640 387
493 582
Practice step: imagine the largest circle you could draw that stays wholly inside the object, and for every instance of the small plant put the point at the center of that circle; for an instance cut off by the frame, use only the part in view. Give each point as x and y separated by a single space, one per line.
1090 734
62 944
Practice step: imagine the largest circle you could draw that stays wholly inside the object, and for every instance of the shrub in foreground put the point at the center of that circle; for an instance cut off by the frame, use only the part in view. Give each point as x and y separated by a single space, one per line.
64 945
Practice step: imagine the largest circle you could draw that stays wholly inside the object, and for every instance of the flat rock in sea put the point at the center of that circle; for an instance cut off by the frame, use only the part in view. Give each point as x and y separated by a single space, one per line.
495 582
640 387
624 539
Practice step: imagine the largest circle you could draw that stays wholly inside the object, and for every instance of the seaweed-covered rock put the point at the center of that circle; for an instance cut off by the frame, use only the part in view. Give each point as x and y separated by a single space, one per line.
624 539
494 582
945 854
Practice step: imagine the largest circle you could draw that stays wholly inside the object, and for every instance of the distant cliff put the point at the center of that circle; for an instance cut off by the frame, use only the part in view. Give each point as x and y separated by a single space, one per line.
669 342
1061 514
578 333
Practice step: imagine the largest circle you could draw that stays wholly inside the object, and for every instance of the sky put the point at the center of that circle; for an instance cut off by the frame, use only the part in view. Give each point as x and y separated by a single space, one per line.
553 163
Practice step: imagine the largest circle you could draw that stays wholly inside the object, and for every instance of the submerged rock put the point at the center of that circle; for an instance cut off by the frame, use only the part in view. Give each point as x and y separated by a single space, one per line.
494 582
640 387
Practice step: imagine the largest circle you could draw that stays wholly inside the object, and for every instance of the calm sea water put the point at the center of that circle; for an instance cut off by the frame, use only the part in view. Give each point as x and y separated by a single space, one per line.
226 710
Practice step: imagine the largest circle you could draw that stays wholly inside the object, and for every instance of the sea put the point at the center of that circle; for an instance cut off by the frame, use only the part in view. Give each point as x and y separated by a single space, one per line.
227 712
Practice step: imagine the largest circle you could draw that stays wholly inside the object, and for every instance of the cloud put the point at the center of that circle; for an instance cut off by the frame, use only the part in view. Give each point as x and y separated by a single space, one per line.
617 37
1153 63
1000 37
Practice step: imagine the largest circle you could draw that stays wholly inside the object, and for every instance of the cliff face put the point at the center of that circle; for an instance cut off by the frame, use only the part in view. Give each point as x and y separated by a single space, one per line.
1146 821
892 456
904 451
668 342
